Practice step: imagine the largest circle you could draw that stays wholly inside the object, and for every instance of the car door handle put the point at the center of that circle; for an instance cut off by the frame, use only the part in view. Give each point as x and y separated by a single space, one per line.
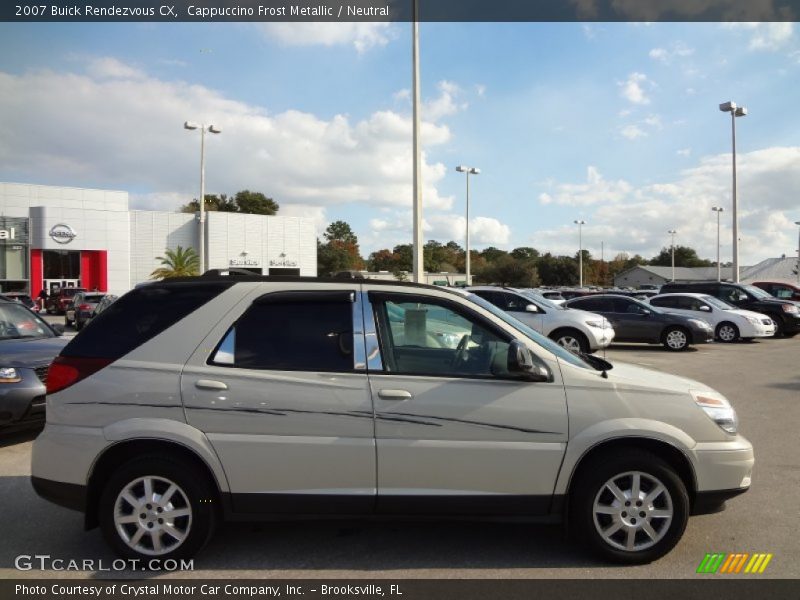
209 384
395 395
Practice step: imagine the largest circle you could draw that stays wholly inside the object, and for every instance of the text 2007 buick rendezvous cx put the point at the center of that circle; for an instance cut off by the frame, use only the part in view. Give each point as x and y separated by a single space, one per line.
232 397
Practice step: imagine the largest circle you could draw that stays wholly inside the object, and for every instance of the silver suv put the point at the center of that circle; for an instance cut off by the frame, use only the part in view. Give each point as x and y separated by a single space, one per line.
216 398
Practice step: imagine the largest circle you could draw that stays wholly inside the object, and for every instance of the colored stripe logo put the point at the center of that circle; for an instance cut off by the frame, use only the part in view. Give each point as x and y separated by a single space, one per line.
741 562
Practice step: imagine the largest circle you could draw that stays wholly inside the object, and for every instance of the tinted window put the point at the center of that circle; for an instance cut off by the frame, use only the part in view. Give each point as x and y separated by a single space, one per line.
139 316
292 332
689 303
513 302
669 302
592 304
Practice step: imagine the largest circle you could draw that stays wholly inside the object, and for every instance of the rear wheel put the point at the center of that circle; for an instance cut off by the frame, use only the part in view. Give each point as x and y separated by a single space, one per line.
727 332
629 507
155 507
676 339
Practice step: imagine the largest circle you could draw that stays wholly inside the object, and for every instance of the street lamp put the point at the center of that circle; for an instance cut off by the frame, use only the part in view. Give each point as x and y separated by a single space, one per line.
718 210
580 223
417 251
190 125
798 252
672 232
736 111
469 171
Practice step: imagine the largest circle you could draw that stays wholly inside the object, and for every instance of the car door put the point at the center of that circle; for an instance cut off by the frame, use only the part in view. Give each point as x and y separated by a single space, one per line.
457 433
637 324
280 390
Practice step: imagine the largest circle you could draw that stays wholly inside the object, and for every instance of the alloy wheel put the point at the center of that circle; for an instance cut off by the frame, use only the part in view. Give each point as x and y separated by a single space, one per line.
727 333
570 343
676 339
152 515
632 511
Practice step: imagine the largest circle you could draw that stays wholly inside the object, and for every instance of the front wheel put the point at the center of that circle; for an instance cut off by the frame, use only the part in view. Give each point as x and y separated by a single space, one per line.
727 332
572 340
629 507
779 329
155 507
676 339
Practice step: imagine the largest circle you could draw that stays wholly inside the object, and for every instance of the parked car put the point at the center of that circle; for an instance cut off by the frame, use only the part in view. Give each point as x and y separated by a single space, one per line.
23 299
295 398
104 303
575 330
80 309
569 293
635 321
27 347
729 323
553 295
57 303
780 290
784 313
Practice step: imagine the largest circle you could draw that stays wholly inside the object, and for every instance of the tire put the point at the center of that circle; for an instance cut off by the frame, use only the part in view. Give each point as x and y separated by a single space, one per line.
779 328
180 536
596 512
78 325
727 332
571 339
676 339
66 321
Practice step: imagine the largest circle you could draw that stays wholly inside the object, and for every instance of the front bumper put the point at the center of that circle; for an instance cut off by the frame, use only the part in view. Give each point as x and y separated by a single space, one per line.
762 329
600 338
22 401
723 470
702 336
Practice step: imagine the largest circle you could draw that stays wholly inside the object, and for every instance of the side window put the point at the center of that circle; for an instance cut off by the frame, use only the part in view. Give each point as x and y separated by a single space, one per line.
781 292
665 302
292 332
687 303
513 302
437 339
492 297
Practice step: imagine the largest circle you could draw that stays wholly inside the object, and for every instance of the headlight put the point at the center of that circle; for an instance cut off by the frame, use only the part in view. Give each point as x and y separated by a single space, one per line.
753 320
789 308
718 409
598 324
9 375
700 323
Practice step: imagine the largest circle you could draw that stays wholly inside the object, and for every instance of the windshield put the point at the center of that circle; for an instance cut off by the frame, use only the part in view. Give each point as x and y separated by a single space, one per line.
757 292
717 303
17 322
541 300
546 343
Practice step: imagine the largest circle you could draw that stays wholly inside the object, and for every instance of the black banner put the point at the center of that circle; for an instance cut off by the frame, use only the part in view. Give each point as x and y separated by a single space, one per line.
713 588
399 10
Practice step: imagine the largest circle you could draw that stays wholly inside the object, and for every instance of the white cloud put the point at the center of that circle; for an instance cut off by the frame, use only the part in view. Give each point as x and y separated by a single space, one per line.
362 36
480 89
445 104
102 129
395 229
765 36
596 190
632 132
637 218
684 152
632 89
676 50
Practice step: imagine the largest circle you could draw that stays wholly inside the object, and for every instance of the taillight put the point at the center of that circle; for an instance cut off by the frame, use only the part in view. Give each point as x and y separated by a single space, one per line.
66 371
85 307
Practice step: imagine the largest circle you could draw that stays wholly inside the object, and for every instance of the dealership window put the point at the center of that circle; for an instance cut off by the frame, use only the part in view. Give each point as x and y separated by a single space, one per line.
61 264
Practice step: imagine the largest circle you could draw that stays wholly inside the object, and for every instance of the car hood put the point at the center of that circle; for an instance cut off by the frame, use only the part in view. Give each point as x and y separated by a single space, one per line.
633 375
30 353
746 313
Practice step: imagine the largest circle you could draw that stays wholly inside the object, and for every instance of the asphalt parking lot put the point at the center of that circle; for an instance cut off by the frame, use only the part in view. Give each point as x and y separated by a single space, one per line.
761 379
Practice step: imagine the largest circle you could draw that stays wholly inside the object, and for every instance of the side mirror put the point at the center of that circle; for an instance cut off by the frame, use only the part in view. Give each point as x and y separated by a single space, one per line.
647 312
58 328
521 361
532 308
705 308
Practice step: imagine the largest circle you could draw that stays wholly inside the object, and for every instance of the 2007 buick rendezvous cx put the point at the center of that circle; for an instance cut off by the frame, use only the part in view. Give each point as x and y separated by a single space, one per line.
233 397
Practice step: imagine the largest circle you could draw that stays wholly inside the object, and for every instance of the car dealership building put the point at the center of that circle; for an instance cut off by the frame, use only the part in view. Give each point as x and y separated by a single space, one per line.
54 236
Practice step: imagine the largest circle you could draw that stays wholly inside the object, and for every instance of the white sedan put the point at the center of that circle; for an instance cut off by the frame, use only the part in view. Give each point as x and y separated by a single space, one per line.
729 323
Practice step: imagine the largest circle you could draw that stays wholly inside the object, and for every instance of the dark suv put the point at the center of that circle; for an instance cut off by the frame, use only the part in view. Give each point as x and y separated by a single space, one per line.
57 303
784 313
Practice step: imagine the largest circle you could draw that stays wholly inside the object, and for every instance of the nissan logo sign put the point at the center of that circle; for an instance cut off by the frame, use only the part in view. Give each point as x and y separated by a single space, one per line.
63 234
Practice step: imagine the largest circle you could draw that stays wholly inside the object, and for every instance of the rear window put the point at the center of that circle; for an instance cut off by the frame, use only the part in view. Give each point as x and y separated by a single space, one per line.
70 292
139 316
93 297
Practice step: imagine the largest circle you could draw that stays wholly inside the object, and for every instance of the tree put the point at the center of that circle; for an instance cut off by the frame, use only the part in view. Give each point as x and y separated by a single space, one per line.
509 271
255 203
491 254
684 257
181 262
213 202
525 253
557 270
340 250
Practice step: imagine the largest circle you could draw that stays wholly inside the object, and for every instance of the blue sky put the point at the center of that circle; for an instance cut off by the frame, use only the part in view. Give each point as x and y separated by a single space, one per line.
616 124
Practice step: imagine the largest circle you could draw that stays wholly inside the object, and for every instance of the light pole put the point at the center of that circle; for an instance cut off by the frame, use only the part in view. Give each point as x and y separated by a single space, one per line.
580 223
798 252
469 171
202 225
672 232
736 111
718 210
417 265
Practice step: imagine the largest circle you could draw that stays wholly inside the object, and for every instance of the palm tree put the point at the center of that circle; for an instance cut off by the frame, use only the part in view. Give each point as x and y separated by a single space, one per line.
181 262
